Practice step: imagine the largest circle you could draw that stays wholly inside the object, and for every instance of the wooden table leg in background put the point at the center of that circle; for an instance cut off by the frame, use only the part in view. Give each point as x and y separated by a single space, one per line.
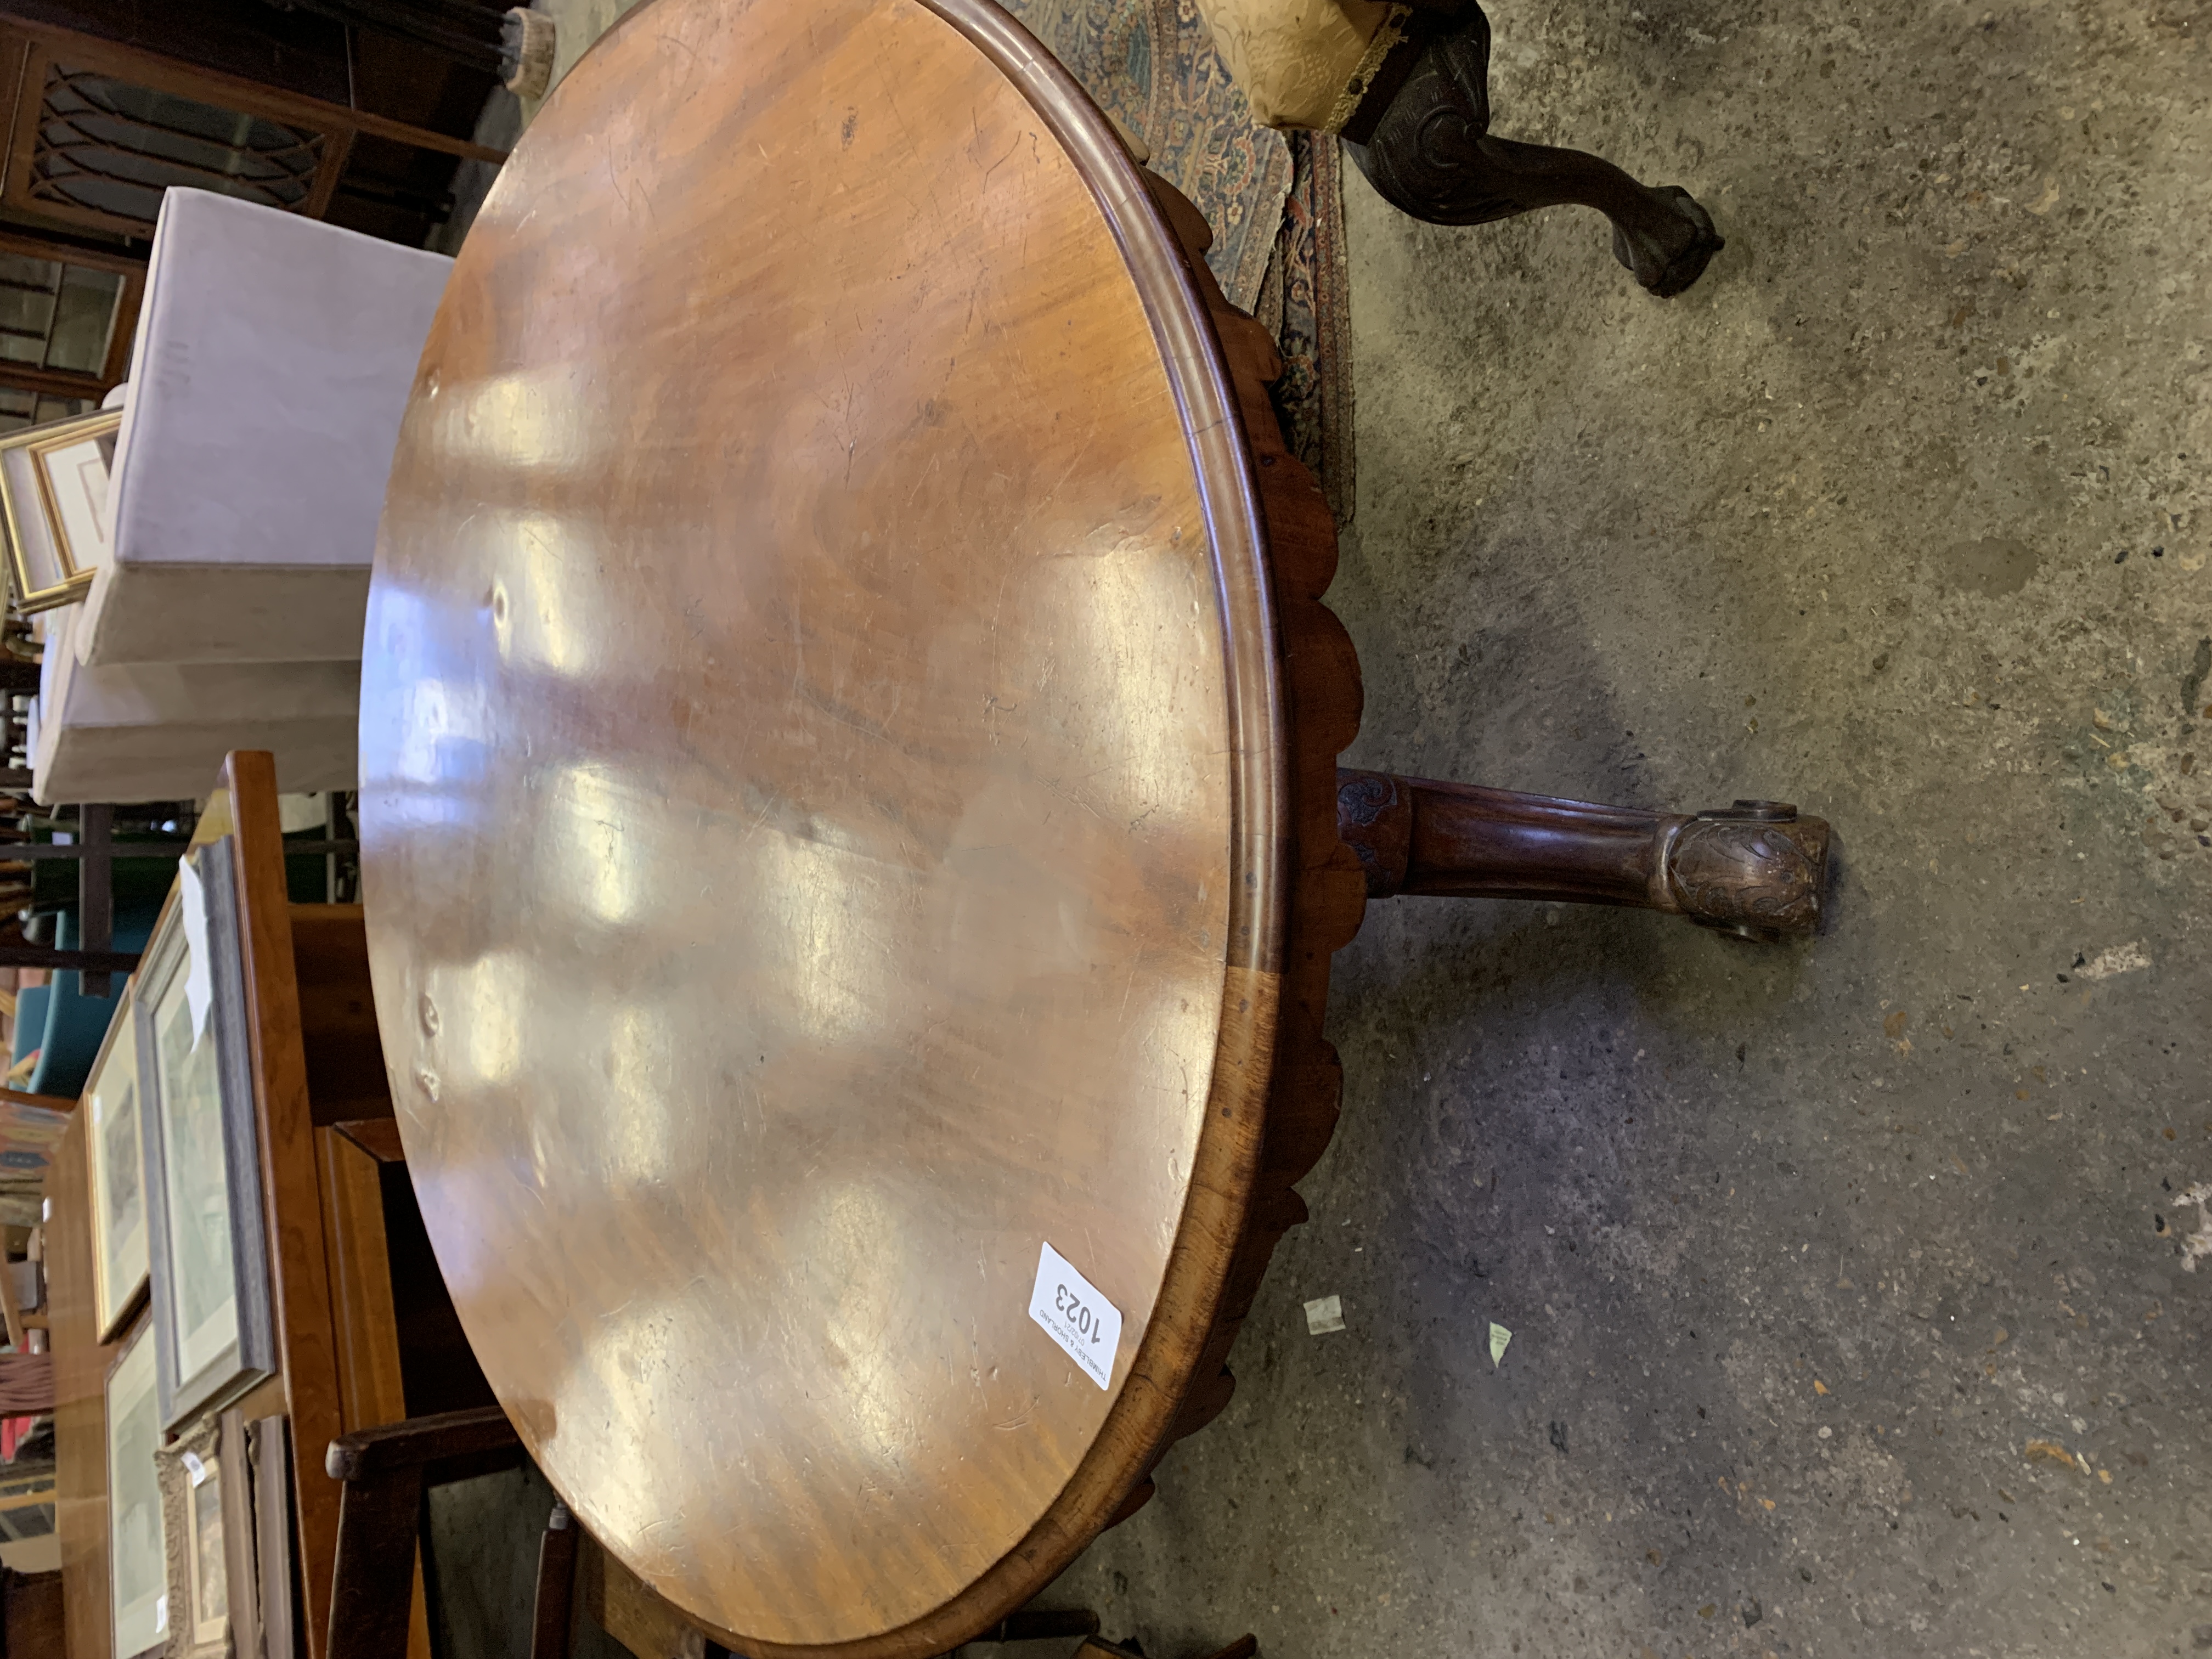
557 1587
95 877
371 1389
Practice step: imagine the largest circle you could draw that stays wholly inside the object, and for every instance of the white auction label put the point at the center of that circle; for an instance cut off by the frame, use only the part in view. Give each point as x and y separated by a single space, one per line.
1075 1316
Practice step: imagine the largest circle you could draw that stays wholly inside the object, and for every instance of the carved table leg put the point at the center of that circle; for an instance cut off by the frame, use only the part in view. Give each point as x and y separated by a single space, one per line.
1421 135
1755 869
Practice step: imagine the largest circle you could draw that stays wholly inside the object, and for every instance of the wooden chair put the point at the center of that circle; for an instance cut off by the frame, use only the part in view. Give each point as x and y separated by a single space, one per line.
1244 1647
384 1472
622 1604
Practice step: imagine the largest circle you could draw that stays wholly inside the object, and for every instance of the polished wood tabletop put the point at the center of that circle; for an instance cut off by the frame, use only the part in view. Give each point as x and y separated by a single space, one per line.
829 828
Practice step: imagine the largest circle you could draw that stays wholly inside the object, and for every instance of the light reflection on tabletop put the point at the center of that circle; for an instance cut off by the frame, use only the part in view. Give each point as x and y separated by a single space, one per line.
796 800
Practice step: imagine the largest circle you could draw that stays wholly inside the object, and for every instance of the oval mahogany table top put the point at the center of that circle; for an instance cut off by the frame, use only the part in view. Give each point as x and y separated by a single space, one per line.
825 810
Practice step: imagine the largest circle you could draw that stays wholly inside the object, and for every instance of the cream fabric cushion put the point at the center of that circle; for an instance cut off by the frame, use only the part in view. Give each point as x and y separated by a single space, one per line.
1294 59
160 731
145 732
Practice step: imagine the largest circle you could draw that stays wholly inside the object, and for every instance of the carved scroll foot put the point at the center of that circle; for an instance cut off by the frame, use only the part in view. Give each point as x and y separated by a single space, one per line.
1422 136
1755 870
1668 256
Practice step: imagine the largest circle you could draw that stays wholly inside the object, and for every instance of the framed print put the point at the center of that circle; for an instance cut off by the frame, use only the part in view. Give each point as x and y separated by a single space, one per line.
207 1250
53 499
208 1521
138 1553
72 470
118 1174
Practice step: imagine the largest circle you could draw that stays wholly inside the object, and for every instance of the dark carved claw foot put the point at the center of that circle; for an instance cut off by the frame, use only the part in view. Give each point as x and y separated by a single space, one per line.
1669 263
1422 137
1757 870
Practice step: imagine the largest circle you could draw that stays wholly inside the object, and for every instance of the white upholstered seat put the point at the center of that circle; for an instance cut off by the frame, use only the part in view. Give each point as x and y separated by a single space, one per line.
144 732
272 365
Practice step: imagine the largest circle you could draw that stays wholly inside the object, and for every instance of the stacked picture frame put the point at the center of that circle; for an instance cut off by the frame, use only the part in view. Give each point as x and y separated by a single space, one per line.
207 1248
54 507
208 1524
137 1558
181 1281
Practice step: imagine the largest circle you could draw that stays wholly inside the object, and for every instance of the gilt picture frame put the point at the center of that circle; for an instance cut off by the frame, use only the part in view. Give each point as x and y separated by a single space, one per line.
54 505
116 1167
208 1520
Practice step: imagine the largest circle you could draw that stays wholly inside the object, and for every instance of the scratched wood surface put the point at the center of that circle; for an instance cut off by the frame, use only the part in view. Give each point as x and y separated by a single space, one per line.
842 788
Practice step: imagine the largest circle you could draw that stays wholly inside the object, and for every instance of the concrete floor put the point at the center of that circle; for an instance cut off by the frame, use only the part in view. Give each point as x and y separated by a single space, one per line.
1841 1320
1900 514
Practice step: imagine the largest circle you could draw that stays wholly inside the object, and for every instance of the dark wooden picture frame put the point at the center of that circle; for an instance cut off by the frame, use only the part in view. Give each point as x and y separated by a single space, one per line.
192 1385
39 59
44 61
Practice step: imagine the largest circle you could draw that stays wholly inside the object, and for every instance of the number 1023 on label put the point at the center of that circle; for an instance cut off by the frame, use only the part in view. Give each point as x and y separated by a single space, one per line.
1074 1315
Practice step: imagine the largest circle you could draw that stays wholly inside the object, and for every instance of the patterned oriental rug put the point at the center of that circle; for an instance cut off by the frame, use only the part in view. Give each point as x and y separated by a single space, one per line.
1306 302
1274 200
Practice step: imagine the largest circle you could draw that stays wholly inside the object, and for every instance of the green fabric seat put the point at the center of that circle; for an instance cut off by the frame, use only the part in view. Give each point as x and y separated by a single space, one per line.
75 1025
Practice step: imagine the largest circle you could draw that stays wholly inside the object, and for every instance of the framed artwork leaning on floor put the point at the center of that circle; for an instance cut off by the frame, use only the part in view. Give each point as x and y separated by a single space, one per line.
138 1554
53 497
208 1520
208 1252
116 1156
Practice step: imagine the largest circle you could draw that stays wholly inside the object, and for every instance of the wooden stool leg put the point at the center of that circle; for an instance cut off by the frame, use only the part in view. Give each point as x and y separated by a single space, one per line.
557 1587
1755 869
